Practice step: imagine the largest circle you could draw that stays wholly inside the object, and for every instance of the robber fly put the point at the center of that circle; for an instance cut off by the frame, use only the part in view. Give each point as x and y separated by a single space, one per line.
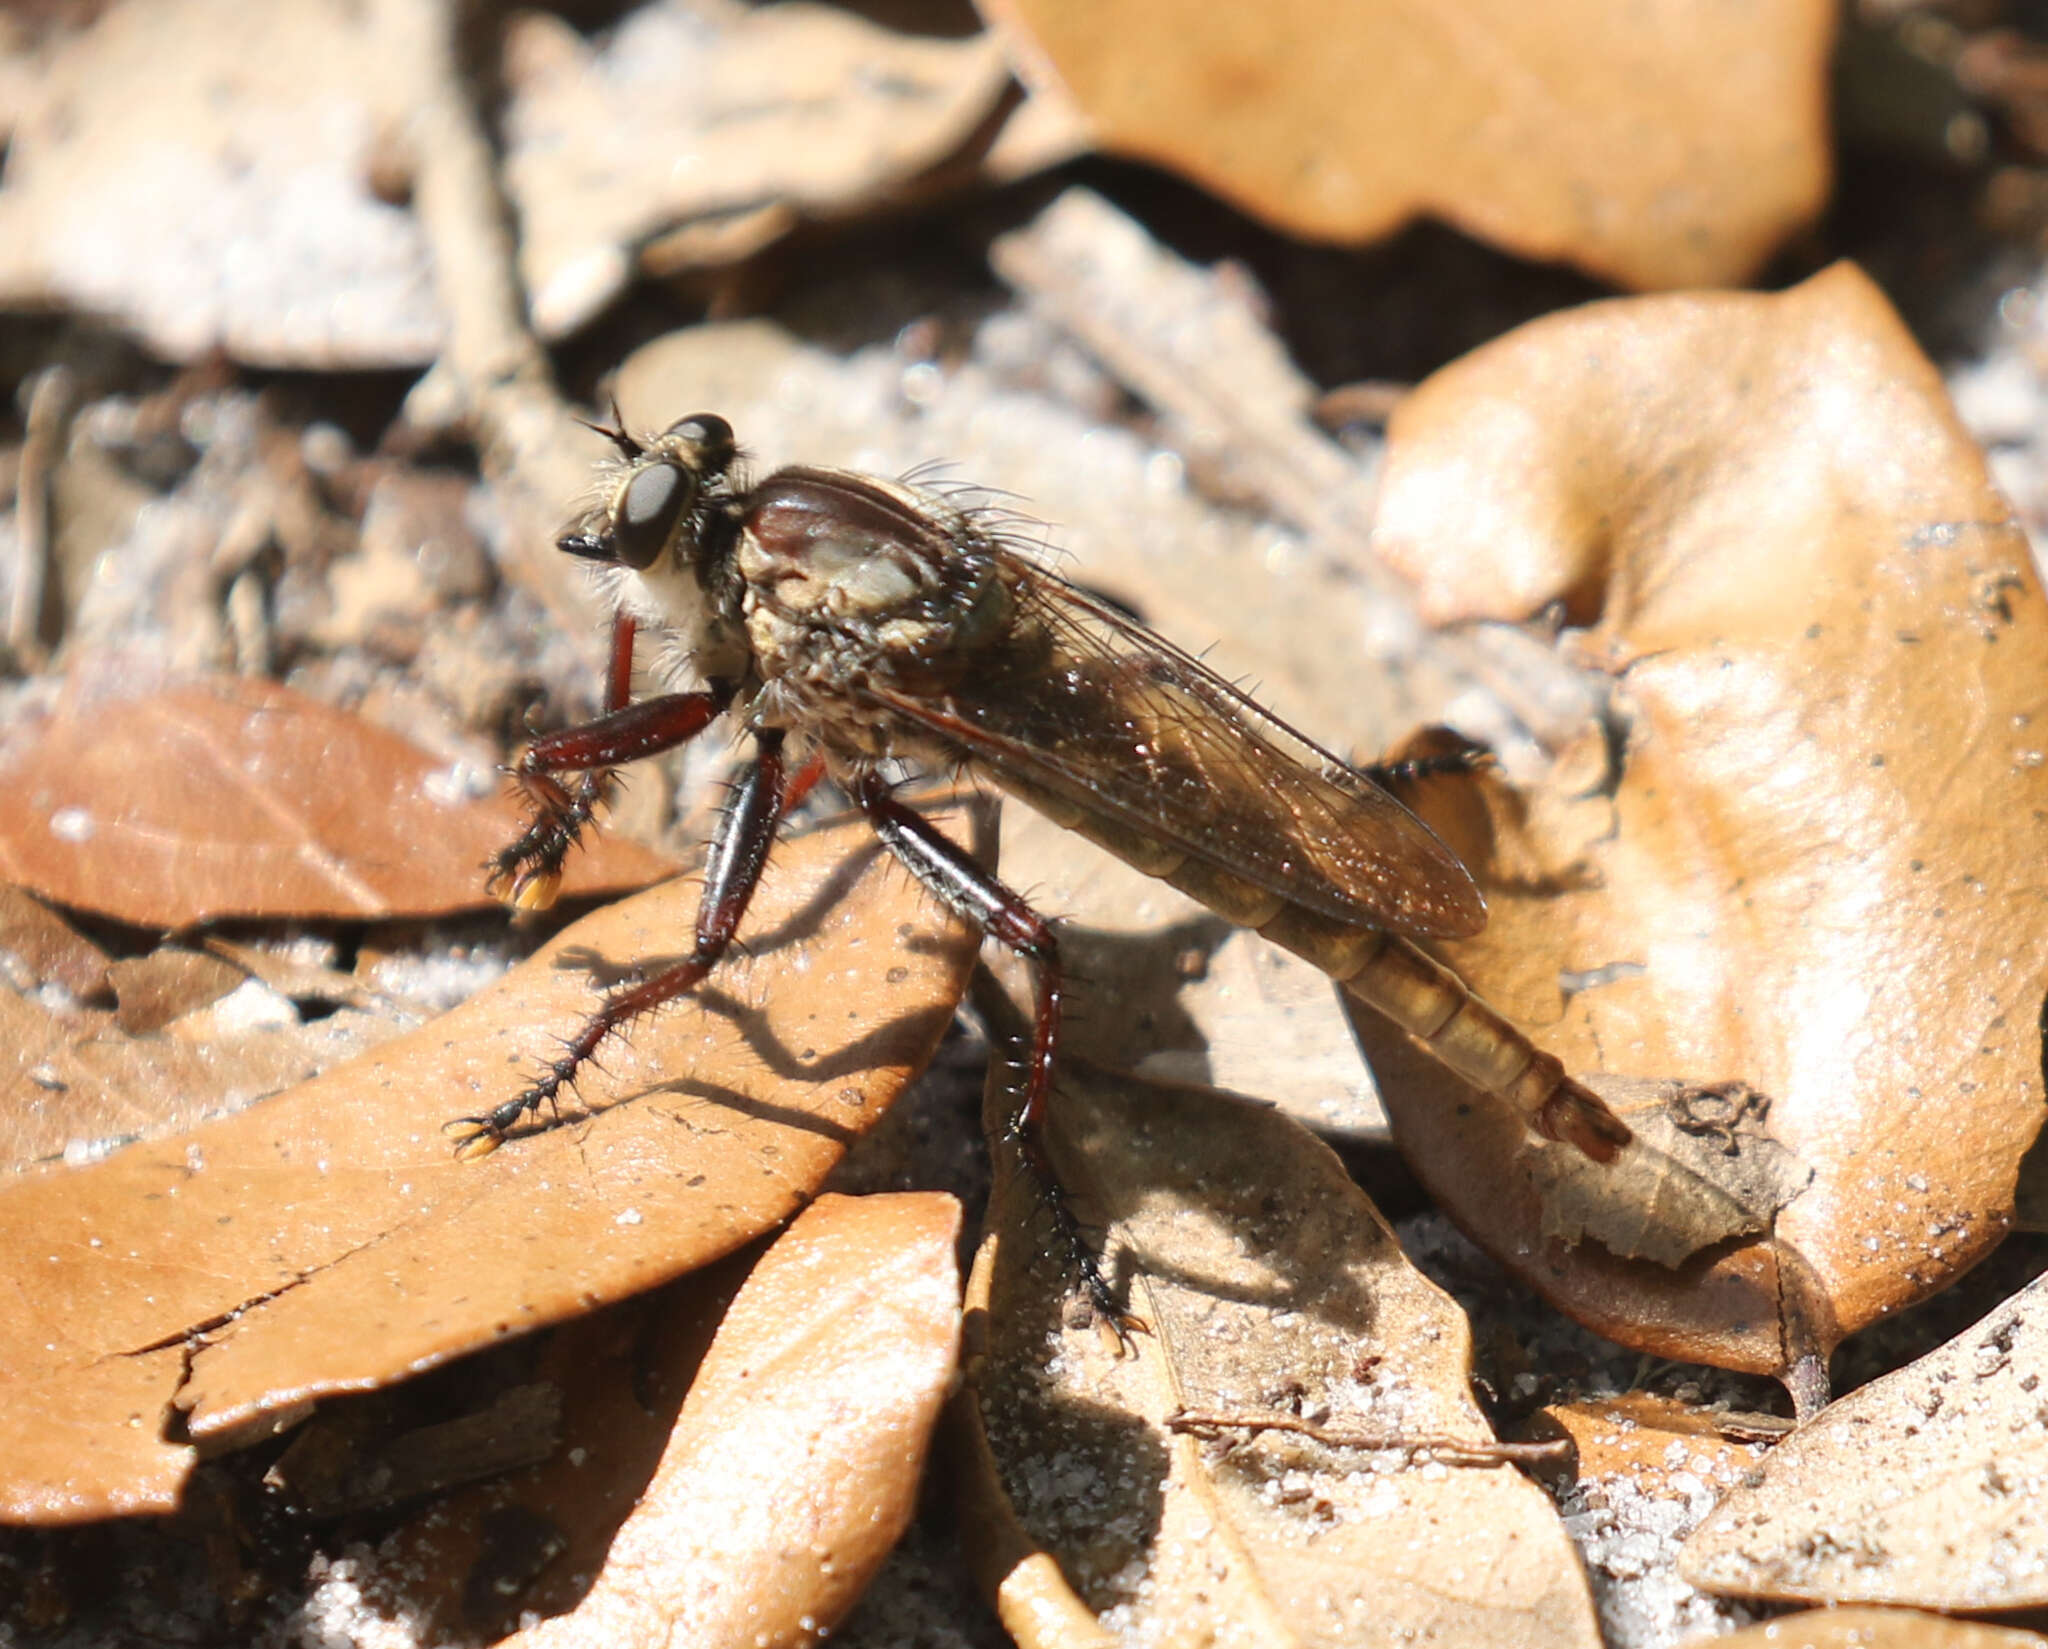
850 622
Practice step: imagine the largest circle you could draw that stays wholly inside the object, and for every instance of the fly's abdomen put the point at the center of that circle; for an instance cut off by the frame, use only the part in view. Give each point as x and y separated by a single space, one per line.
1383 970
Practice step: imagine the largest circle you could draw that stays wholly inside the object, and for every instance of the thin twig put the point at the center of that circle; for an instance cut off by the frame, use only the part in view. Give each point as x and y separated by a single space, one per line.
50 407
493 376
1451 1451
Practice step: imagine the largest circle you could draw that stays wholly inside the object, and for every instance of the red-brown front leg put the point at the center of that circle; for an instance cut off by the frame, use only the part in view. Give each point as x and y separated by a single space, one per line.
732 870
529 871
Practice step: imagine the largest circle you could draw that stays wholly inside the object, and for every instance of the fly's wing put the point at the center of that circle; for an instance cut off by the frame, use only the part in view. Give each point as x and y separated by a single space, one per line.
1093 708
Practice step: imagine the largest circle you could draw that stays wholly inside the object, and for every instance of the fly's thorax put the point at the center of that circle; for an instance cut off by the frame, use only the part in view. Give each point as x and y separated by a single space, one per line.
851 580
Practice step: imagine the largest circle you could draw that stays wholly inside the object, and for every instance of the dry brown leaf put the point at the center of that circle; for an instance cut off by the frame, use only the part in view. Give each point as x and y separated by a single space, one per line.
481 1558
37 946
725 121
794 1465
473 1561
1876 1629
170 982
1816 870
1656 147
1660 1446
1648 1468
1926 1487
1276 1296
74 1086
243 798
329 1240
202 171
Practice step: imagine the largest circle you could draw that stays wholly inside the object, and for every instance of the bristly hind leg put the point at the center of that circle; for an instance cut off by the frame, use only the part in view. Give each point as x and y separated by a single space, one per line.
732 870
528 872
964 887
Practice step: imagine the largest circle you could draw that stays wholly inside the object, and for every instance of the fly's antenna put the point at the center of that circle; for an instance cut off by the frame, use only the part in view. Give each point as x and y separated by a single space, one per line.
615 432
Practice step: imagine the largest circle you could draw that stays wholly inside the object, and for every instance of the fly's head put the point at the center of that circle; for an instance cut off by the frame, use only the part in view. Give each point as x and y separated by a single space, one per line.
660 497
661 531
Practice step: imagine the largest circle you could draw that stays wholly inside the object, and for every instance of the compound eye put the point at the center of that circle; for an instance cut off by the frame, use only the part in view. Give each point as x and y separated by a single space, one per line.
710 434
646 514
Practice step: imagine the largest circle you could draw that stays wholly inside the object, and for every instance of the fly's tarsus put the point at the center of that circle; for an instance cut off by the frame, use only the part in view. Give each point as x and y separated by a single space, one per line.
528 873
732 871
1070 1241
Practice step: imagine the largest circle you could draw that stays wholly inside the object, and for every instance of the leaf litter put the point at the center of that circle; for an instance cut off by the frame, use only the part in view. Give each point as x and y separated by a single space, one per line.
900 430
1269 1460
1924 1487
844 412
797 1382
329 1240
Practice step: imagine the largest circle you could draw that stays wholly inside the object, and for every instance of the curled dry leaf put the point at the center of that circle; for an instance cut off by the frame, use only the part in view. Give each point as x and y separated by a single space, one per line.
1877 1629
1666 146
1925 1487
203 171
716 126
794 1464
330 1240
1314 1501
1814 869
243 798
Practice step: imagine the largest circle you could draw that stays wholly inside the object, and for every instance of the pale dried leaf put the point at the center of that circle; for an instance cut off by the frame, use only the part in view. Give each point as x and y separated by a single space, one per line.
812 1412
1877 1629
1665 146
201 170
1677 1187
697 112
1274 1294
1926 1487
330 1240
240 797
1816 870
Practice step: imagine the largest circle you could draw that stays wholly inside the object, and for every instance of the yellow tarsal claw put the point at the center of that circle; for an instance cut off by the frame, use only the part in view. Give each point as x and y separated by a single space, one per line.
473 1142
536 891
